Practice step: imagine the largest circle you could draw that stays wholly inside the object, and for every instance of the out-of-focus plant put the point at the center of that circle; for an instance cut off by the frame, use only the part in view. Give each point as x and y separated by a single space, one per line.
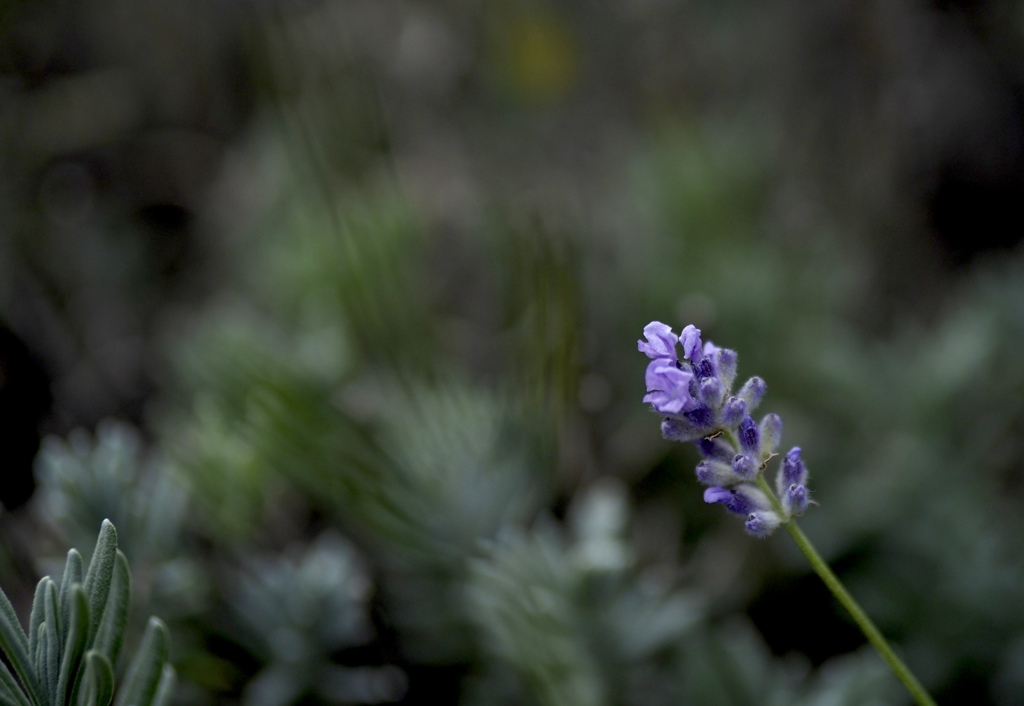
297 614
86 479
74 638
111 474
577 620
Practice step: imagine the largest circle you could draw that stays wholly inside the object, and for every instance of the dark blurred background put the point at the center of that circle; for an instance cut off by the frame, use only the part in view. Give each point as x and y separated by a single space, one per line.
357 283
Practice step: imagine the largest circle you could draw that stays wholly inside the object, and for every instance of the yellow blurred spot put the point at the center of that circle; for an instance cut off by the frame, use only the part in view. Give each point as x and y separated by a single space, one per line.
537 56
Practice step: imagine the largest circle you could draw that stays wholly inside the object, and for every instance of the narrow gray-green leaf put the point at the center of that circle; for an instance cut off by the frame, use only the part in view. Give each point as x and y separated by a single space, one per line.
51 661
98 685
165 690
36 617
50 637
97 578
14 644
110 634
78 635
52 619
73 573
147 668
40 660
10 691
86 690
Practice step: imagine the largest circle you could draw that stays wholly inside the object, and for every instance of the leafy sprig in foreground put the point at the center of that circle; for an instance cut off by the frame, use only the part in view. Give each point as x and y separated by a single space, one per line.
69 654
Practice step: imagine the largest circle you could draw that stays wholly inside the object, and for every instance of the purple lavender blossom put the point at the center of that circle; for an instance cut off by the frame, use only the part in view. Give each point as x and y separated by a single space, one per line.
725 363
717 449
753 392
693 349
676 429
744 467
795 500
794 472
750 437
740 499
733 412
771 434
716 473
660 343
668 387
711 391
695 394
763 523
702 416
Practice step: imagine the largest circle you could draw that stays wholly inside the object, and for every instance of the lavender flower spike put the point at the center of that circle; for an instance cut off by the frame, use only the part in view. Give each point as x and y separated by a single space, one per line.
660 343
695 393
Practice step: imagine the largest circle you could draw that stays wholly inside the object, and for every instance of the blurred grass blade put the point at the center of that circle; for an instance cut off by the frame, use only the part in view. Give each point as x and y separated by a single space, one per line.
74 648
143 683
72 574
98 577
110 633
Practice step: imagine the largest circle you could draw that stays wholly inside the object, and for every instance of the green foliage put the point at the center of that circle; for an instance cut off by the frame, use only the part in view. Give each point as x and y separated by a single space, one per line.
578 622
296 613
74 639
85 480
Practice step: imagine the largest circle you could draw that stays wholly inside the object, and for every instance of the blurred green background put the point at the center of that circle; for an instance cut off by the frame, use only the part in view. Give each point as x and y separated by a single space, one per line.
331 306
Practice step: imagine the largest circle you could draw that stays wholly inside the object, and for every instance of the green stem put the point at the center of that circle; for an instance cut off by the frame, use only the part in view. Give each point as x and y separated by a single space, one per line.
865 623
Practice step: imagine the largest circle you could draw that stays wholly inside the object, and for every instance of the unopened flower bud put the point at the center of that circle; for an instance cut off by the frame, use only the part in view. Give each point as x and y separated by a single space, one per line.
795 500
711 391
750 437
744 466
702 416
753 392
716 448
675 429
733 412
771 434
742 499
725 363
716 473
762 523
793 471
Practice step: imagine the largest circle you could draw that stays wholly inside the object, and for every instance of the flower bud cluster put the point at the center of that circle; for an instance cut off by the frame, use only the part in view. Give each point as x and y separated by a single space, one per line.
694 395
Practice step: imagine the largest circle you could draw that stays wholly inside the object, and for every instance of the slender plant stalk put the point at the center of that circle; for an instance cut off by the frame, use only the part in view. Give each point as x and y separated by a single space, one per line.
865 623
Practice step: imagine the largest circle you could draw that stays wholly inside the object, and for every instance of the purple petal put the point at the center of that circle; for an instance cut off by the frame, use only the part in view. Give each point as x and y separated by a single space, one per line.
668 387
660 343
692 346
717 495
